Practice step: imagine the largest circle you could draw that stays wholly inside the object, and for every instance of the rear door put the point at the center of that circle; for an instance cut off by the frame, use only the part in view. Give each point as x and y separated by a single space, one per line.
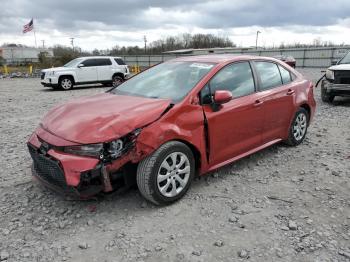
237 127
88 72
277 94
104 69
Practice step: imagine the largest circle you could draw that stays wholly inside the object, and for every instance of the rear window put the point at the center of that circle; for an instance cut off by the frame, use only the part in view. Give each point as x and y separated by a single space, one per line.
103 62
270 76
119 61
285 74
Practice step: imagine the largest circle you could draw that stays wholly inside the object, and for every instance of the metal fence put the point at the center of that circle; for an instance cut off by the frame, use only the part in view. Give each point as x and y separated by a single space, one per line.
305 57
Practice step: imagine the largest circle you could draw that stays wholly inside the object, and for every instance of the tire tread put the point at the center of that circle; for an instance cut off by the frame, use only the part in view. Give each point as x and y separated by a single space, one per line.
144 171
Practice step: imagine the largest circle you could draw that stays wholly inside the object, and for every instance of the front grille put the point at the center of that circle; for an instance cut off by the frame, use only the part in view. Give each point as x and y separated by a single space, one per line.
48 169
341 77
42 75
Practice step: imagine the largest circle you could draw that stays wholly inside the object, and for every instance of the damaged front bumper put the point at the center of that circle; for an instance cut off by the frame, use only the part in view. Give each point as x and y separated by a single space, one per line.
336 89
77 176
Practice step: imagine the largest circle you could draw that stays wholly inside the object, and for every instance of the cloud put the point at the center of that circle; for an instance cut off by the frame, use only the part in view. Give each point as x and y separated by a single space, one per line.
133 18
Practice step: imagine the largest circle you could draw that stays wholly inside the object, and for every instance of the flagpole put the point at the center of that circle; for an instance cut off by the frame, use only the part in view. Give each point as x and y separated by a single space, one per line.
36 46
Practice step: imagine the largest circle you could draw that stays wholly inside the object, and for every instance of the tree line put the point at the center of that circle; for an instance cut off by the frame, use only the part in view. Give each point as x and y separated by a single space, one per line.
63 54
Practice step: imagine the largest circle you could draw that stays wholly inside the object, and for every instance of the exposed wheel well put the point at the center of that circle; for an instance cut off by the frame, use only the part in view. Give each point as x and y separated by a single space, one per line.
70 76
118 74
196 153
307 108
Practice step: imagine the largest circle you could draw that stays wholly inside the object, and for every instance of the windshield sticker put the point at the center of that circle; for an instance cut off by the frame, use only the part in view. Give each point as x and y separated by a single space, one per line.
199 65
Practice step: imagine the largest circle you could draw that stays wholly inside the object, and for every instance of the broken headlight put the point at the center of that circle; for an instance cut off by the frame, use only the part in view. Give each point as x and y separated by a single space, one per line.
330 74
93 150
105 151
115 148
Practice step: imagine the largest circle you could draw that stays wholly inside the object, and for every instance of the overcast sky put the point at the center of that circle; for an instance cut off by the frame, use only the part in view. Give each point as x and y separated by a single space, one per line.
103 24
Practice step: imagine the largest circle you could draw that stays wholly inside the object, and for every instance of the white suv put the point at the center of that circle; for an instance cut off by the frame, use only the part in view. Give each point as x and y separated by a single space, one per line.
86 70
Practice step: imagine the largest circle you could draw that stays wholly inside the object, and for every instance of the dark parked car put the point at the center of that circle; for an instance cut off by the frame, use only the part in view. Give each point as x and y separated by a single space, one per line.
337 80
289 60
181 118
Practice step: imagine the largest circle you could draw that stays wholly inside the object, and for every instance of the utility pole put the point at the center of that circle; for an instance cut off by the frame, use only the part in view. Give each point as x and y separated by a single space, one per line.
257 36
72 42
145 40
43 41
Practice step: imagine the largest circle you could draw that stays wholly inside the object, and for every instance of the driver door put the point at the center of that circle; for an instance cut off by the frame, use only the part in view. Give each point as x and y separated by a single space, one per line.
237 126
88 72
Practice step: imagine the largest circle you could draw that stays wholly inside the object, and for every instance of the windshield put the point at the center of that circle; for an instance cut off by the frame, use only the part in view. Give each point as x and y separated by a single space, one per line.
170 80
73 63
345 59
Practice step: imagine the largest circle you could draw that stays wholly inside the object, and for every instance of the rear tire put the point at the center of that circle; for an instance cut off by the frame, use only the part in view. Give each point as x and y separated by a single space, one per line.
117 80
166 175
65 83
326 97
298 128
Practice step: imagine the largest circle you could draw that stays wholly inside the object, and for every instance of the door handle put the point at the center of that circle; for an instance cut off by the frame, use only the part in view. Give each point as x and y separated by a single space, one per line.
290 92
258 103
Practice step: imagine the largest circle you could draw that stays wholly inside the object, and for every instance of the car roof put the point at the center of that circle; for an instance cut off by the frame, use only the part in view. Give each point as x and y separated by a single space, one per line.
101 56
221 58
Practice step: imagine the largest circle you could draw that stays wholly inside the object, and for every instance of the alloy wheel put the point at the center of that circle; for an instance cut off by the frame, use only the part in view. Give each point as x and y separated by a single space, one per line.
66 84
299 127
173 174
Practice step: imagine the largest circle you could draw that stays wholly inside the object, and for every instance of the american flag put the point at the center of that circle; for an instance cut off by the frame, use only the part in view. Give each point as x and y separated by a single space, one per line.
28 27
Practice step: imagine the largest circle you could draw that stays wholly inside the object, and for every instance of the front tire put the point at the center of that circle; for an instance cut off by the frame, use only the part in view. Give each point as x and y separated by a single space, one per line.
65 83
166 175
326 97
298 128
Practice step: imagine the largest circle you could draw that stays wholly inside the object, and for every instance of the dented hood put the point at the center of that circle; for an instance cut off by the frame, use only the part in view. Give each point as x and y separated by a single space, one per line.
102 117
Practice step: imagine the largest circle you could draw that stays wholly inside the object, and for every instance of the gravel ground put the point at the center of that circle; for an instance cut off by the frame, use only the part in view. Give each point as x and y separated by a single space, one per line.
281 204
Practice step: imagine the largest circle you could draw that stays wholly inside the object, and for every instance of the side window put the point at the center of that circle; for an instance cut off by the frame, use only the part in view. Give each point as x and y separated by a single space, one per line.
236 77
103 62
285 74
269 75
89 62
119 61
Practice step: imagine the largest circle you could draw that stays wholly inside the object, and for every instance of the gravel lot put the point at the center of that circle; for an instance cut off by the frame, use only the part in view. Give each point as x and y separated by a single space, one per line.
281 204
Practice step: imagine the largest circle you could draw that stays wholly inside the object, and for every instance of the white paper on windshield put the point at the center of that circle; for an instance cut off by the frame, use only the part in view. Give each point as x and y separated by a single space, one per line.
200 65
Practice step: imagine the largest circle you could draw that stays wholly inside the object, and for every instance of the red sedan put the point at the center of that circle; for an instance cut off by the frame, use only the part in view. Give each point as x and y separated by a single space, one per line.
159 129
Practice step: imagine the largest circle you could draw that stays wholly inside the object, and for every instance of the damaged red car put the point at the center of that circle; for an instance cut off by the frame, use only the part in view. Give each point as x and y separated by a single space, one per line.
181 118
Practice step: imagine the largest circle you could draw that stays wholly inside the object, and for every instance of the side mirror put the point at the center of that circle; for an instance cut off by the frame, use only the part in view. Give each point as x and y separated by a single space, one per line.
334 62
222 97
81 65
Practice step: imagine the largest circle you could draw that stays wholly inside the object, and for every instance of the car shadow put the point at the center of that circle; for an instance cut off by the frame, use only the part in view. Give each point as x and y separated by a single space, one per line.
80 87
341 101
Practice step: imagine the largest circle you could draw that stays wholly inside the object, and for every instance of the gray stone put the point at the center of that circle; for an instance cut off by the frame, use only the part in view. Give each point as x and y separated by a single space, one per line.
4 255
243 253
219 243
196 253
344 253
292 225
83 245
233 219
